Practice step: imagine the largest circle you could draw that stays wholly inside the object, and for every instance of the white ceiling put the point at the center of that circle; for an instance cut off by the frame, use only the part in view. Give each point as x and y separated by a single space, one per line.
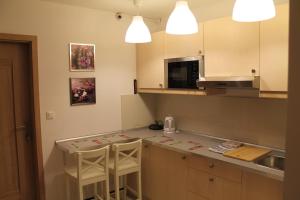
157 9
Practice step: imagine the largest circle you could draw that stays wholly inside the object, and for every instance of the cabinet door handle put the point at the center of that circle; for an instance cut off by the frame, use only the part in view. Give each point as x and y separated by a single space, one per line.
183 157
211 165
211 179
146 146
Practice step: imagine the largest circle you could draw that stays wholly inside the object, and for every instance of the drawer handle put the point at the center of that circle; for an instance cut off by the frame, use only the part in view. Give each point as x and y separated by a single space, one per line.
183 157
211 179
211 165
146 146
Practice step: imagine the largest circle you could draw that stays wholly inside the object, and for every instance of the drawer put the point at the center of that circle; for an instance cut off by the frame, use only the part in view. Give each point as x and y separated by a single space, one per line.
216 168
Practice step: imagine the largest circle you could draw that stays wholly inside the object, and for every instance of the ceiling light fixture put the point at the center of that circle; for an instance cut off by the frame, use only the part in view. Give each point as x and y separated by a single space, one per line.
253 10
182 21
137 32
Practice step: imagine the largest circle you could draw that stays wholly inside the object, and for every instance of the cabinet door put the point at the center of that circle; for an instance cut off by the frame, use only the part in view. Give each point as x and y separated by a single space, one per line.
274 51
198 183
146 172
178 176
261 188
150 62
159 173
231 48
177 46
225 189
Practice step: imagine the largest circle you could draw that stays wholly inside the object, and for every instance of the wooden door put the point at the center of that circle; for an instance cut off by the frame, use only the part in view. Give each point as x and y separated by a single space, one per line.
231 48
16 166
150 62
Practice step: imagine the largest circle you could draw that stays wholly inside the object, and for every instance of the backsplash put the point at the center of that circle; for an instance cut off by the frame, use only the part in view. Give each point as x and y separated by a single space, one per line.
258 121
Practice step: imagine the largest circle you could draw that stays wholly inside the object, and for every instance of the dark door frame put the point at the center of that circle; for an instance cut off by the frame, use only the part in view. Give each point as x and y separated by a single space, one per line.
37 140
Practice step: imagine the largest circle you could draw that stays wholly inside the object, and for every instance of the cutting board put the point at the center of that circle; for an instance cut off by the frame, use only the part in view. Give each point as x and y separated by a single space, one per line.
247 153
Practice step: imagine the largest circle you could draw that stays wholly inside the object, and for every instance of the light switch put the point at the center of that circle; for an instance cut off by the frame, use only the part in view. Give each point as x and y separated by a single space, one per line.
50 115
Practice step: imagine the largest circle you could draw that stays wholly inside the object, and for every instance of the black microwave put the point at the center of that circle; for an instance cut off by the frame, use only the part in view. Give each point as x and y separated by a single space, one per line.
183 73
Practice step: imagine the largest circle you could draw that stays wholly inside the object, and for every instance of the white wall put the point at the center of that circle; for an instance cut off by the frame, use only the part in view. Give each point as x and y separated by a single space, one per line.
56 25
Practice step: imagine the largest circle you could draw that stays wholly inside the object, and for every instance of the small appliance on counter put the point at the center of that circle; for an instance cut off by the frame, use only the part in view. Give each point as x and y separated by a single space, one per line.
169 127
158 125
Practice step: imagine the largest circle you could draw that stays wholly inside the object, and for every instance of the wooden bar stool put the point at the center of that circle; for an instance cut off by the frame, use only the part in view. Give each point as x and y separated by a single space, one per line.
92 168
126 160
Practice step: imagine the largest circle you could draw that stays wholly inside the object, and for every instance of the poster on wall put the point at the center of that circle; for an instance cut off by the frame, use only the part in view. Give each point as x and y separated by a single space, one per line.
82 91
82 57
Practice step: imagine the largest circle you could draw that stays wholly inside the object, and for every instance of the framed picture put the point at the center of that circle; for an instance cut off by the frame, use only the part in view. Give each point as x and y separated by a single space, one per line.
82 57
82 91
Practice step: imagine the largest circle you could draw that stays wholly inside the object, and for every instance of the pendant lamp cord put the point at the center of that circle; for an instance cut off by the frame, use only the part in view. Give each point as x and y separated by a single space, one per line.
137 4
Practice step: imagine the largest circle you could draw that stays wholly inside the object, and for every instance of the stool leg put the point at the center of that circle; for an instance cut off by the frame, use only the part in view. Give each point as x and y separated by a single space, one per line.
67 187
95 190
80 191
125 187
139 185
107 188
117 187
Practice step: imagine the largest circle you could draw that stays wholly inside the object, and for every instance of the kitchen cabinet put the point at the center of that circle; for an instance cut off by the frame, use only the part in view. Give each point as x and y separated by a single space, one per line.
177 46
274 35
231 48
213 180
150 62
261 188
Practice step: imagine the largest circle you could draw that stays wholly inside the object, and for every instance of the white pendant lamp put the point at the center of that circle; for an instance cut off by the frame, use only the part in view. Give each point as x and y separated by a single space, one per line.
137 32
182 21
253 10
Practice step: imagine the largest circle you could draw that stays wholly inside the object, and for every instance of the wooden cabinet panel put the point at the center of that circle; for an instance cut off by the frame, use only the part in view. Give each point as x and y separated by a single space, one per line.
146 171
216 168
192 196
150 62
231 48
178 176
159 173
226 190
227 171
177 46
198 183
274 51
261 188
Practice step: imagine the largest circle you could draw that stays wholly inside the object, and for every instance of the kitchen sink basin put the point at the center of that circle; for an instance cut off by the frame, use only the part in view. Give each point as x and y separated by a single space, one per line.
272 161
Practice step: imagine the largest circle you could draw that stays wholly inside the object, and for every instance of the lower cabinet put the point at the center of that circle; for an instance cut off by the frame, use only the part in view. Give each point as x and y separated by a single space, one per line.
257 187
169 175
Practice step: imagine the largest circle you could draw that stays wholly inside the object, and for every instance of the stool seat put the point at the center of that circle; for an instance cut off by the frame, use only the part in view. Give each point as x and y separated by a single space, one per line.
129 163
90 173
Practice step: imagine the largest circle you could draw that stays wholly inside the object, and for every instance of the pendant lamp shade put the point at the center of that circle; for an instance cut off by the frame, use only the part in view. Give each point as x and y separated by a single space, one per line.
137 31
253 10
182 21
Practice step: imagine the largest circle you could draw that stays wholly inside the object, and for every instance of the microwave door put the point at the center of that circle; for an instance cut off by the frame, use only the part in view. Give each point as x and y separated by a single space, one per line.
178 75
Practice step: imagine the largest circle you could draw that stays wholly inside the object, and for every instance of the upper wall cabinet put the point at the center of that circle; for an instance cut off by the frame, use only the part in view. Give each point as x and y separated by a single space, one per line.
274 51
150 62
177 46
231 48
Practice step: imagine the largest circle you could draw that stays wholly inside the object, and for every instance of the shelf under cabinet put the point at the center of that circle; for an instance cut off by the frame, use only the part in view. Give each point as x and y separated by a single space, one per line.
217 92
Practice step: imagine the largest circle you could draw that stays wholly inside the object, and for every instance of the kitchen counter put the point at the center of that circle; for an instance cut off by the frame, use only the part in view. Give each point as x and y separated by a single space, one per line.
183 142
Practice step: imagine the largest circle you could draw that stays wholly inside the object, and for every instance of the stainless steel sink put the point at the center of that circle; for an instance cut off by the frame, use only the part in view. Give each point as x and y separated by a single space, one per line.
272 161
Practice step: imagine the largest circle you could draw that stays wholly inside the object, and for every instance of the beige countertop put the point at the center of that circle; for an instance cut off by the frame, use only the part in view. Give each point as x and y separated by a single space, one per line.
184 142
